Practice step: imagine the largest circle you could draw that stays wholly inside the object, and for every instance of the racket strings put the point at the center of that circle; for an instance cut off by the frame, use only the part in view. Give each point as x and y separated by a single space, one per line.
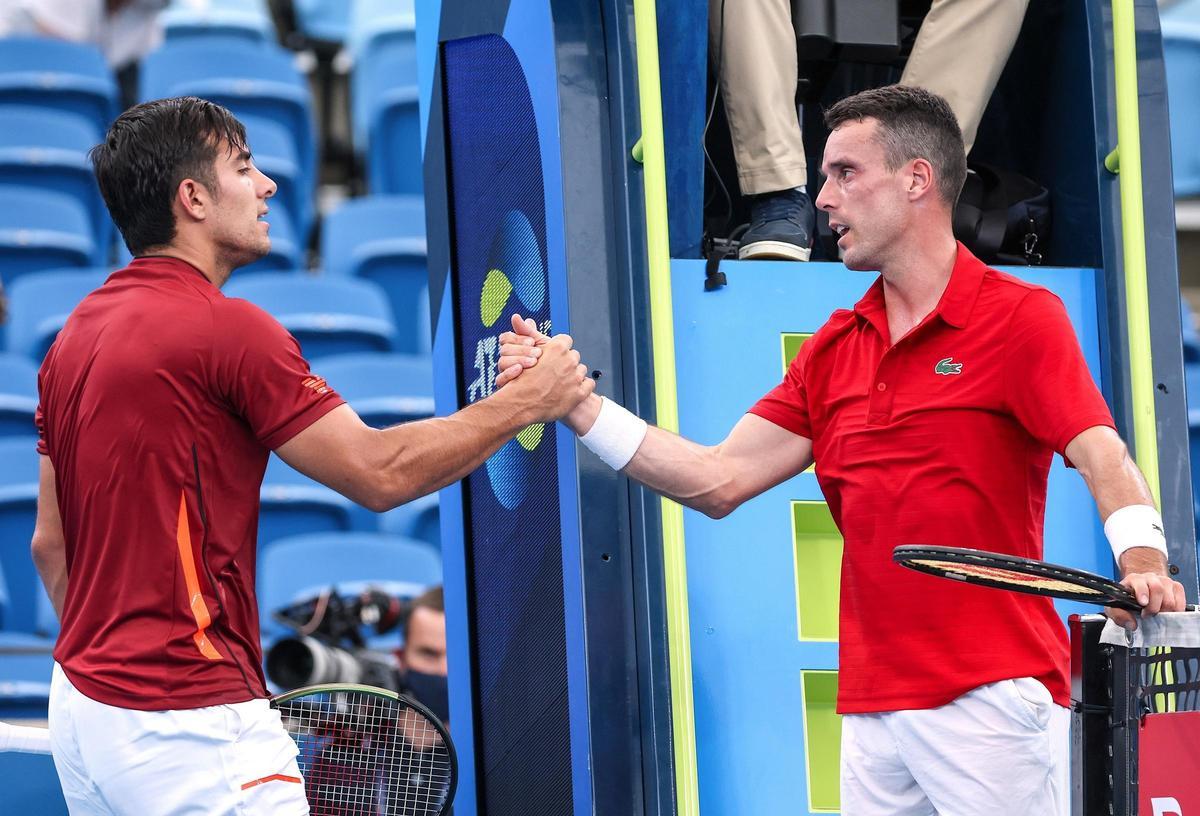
366 754
1013 577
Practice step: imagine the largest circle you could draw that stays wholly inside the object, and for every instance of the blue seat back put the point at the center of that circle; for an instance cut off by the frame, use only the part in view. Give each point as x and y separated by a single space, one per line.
383 389
327 315
18 395
48 149
1181 59
382 239
293 504
259 80
40 304
309 563
43 229
19 467
419 519
327 20
52 73
248 20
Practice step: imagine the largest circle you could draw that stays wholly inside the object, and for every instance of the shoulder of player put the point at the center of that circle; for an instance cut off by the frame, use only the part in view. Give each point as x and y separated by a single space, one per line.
1010 293
232 313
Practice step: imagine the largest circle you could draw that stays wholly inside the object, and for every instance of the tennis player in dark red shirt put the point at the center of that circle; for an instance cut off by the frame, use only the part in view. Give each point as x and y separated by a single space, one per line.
932 410
160 401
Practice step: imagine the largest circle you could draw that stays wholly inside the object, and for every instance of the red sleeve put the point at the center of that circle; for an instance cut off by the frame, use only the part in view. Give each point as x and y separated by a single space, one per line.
1049 387
787 403
259 372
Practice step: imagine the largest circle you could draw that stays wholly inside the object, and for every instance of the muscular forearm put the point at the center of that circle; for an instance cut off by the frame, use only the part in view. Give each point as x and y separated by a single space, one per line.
418 458
692 474
50 558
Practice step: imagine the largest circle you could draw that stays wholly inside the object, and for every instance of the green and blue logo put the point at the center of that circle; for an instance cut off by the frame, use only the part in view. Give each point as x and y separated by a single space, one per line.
515 282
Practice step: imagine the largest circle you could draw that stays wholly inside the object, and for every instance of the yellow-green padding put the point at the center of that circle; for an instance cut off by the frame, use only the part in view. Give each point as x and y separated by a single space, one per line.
792 341
822 740
662 340
1133 240
818 561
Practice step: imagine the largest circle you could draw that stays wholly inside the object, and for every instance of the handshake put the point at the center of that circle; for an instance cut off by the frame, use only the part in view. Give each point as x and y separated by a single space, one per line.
548 381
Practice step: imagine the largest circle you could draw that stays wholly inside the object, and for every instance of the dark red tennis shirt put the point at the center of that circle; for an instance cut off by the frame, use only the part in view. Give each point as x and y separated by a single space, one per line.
944 438
160 401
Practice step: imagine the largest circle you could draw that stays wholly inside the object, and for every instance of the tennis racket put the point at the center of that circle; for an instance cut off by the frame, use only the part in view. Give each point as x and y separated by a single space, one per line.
370 751
1016 574
24 739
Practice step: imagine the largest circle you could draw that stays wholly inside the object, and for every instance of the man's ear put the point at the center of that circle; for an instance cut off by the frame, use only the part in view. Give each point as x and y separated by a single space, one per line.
193 200
921 180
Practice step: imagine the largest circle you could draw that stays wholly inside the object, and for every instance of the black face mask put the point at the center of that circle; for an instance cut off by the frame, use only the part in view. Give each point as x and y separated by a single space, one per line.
430 690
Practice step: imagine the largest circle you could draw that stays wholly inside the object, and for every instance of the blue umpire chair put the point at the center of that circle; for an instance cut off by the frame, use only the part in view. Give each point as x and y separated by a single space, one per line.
327 315
382 239
40 304
52 73
43 229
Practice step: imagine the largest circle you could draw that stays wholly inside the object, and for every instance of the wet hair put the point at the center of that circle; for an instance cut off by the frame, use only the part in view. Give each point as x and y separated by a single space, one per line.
913 124
148 151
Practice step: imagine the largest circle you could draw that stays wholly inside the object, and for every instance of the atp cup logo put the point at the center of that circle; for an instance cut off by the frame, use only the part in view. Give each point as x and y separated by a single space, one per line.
515 282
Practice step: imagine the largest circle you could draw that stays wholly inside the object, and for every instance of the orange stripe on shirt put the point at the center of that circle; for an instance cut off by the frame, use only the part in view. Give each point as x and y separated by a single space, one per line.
187 558
272 778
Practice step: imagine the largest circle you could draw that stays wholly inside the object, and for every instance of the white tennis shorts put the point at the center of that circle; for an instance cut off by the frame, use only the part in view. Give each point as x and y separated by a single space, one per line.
999 750
225 759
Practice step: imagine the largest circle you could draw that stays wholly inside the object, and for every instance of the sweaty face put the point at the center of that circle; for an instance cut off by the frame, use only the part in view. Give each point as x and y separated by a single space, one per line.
425 647
238 227
866 202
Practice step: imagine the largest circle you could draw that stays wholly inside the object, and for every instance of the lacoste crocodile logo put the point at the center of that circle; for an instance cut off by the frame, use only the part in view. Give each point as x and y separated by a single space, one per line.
944 366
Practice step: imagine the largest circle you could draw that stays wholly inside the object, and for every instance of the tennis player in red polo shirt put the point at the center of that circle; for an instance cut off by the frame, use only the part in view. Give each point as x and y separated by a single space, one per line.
160 401
932 410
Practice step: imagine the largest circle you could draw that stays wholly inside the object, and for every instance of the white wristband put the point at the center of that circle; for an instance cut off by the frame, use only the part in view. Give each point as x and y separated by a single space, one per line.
1138 525
616 434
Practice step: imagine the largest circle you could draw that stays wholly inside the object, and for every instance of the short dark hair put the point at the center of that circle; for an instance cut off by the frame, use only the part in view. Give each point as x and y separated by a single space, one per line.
432 599
913 124
148 151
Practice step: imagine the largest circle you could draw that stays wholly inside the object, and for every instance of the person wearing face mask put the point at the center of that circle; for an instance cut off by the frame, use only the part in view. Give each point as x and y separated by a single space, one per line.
422 658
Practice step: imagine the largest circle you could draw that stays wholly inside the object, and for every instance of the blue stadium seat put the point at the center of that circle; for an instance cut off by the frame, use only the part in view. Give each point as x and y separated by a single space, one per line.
48 149
327 20
40 304
1181 59
382 239
385 114
275 155
51 73
43 229
18 395
293 567
257 80
419 519
373 22
18 509
383 389
327 315
249 20
286 253
292 503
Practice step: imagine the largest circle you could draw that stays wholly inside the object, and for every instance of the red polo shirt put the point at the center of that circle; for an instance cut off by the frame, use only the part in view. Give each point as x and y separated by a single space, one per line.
944 438
160 401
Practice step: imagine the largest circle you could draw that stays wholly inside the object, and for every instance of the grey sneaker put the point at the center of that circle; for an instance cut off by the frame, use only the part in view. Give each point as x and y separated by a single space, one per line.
781 227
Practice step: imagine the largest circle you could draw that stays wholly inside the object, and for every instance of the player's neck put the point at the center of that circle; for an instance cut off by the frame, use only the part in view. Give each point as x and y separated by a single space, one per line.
914 283
201 255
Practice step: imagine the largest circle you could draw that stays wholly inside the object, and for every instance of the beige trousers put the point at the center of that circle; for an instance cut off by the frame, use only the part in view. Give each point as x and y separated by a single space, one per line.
960 51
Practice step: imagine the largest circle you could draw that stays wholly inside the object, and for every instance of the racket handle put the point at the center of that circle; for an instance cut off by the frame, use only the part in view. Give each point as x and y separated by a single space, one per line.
24 739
